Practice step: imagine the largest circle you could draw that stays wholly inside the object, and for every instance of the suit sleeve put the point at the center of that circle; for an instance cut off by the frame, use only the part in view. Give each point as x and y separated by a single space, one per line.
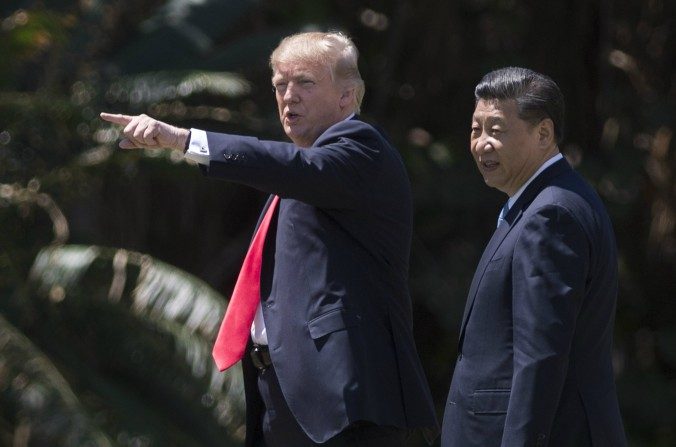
549 271
332 174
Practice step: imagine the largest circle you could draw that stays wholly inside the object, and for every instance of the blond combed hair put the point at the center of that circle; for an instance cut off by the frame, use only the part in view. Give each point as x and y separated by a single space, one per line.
332 49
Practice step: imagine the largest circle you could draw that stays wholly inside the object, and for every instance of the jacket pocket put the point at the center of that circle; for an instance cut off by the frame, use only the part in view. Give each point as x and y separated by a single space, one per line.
331 321
497 263
490 401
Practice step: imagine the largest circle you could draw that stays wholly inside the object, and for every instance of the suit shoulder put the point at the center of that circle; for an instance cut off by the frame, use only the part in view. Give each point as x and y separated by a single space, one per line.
352 129
573 196
572 190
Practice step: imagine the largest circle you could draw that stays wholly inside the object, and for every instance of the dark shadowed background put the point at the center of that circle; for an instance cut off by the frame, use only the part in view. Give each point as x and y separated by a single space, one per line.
115 266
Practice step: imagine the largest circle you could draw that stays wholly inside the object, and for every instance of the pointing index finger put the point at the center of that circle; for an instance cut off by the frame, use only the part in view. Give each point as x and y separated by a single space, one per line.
116 118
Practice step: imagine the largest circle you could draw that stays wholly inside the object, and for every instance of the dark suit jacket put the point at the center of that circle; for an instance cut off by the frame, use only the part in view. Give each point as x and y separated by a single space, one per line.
534 367
334 282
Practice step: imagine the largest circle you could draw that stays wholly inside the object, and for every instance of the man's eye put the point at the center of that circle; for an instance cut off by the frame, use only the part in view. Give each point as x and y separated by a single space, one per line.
307 82
476 129
279 87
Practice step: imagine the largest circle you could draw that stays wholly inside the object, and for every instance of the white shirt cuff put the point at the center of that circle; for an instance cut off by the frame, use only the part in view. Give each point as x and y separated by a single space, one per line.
198 148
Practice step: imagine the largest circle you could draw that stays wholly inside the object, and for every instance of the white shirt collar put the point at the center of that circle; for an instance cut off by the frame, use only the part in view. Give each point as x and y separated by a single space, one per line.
544 166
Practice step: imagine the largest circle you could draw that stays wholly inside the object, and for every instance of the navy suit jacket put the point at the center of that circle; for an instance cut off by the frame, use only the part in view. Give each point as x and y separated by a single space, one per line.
334 281
534 365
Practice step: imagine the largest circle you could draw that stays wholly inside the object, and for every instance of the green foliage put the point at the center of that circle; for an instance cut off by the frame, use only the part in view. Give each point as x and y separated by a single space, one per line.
37 400
27 38
127 338
141 332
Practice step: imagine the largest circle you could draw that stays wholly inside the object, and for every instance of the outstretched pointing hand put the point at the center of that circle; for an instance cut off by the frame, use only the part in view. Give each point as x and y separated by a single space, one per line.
142 131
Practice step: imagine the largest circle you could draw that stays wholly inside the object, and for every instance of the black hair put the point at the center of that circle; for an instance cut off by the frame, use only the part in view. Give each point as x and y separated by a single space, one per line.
537 96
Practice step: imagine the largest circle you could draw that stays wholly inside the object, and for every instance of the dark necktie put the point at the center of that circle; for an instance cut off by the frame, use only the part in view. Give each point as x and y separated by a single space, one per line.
503 213
236 326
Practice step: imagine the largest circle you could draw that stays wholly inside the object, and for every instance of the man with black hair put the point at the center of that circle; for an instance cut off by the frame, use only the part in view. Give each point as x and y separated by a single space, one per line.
534 363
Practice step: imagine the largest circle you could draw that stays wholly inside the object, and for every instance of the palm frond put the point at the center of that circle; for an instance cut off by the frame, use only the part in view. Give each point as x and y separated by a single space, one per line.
174 303
46 408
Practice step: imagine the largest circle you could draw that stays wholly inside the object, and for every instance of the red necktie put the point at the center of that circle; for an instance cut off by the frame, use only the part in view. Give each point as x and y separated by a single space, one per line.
236 326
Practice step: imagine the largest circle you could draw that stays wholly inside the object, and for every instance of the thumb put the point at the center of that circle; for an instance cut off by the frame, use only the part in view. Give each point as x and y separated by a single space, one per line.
126 143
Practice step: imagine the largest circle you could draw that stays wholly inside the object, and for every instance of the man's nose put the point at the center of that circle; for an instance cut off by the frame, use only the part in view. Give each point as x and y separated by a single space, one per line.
483 144
290 94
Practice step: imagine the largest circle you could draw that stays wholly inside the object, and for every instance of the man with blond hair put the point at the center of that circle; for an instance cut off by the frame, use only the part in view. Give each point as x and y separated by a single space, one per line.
321 313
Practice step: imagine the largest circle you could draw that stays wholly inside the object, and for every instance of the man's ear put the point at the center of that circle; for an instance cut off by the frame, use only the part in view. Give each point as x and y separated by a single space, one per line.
347 98
545 130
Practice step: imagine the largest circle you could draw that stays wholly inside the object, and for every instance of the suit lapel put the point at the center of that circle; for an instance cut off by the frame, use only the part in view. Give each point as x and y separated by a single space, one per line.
512 217
537 185
265 209
497 238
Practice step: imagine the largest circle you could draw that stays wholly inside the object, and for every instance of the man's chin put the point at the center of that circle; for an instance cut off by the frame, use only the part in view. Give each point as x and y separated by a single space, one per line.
298 138
492 183
291 133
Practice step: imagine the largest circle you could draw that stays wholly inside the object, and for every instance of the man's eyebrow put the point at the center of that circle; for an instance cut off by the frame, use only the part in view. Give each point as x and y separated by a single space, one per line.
307 75
295 77
487 117
495 119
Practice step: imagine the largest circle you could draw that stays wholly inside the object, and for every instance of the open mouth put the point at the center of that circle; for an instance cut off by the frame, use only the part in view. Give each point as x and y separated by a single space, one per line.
489 164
